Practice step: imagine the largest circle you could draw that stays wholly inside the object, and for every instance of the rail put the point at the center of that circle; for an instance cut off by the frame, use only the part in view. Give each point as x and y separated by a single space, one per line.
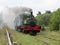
9 39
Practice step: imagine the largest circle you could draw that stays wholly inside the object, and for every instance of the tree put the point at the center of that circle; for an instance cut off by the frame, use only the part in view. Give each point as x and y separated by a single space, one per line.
43 19
39 13
55 20
48 12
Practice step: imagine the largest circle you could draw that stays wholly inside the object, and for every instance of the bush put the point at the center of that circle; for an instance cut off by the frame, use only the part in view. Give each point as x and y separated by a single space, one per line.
55 20
43 19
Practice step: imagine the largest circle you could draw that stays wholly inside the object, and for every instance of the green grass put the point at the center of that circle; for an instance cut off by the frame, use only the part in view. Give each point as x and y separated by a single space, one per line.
26 39
3 39
53 35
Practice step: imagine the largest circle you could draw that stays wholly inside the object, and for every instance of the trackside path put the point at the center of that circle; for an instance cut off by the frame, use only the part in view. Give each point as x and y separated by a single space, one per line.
3 37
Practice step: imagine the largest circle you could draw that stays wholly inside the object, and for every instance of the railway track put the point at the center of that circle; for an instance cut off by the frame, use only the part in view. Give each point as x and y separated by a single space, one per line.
41 40
49 38
38 38
9 38
47 43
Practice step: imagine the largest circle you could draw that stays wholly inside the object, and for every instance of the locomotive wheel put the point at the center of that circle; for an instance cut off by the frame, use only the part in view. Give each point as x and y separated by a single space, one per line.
20 30
23 31
26 32
33 32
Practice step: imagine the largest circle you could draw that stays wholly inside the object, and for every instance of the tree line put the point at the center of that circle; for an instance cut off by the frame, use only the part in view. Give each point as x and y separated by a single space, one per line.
49 19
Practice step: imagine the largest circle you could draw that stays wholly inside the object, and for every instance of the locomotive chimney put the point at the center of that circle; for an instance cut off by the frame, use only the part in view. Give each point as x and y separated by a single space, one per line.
32 14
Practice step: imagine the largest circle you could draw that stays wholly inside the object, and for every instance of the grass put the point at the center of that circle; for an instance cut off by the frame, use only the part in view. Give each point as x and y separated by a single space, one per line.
52 34
26 39
53 38
3 39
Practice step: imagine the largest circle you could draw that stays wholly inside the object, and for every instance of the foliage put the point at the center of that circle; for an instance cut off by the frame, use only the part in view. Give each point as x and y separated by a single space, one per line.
48 12
51 19
55 20
39 13
43 19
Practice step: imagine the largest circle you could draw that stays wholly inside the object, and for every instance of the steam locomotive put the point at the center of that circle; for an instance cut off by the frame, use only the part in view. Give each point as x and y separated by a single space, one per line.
29 24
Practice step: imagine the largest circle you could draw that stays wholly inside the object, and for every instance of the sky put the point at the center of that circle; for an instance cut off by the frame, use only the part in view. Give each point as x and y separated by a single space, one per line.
36 5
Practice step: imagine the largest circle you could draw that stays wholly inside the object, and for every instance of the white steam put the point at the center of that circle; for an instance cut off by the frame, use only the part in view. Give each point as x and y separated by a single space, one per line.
9 15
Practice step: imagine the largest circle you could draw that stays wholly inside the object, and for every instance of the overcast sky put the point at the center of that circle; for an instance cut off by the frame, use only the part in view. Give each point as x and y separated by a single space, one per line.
36 5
